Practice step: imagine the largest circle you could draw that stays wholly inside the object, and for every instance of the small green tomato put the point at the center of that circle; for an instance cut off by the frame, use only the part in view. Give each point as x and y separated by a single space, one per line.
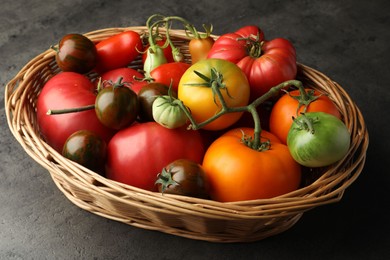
318 139
168 113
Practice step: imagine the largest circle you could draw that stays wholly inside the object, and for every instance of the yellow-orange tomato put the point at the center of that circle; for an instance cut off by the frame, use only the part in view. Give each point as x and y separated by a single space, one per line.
237 172
203 103
287 107
199 48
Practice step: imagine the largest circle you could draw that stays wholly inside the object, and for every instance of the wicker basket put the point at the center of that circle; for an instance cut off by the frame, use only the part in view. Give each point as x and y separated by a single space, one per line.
178 215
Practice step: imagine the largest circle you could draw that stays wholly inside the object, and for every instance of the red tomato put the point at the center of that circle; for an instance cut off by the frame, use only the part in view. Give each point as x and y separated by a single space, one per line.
167 51
118 51
68 90
287 107
265 63
168 73
135 155
130 77
237 172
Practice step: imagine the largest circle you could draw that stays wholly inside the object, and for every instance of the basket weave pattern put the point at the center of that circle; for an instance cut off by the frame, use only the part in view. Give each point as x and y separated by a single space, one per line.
178 215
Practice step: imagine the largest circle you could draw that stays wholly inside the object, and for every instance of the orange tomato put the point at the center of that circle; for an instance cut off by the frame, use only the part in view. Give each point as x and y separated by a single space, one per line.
237 172
287 107
200 47
203 102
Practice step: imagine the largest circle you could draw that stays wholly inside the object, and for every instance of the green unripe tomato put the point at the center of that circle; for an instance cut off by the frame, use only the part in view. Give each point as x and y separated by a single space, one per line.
318 139
155 57
167 113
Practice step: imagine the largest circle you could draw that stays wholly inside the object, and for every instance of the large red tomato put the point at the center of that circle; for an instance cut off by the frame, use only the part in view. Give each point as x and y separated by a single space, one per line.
265 63
68 90
135 155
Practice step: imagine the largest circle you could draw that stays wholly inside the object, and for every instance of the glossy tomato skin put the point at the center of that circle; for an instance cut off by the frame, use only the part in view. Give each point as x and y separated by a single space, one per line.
76 53
118 51
265 63
201 100
286 107
327 142
199 48
237 172
116 107
184 177
169 74
130 77
86 148
68 90
135 155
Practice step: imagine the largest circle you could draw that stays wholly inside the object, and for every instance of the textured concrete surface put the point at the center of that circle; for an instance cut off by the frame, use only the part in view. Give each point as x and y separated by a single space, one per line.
347 40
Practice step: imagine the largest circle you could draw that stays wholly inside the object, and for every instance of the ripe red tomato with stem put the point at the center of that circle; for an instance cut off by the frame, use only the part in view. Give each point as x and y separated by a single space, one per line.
118 51
68 90
135 155
265 63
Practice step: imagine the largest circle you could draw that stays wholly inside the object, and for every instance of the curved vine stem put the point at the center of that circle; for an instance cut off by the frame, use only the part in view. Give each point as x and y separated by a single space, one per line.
251 108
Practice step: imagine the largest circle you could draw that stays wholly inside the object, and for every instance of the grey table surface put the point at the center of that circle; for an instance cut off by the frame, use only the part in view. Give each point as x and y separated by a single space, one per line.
345 39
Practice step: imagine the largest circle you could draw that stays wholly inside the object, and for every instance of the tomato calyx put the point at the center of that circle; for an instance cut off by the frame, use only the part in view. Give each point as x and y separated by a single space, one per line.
305 98
253 45
215 82
305 123
165 179
250 142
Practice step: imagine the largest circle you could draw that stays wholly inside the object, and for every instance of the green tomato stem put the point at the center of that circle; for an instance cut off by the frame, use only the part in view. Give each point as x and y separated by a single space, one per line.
256 143
69 110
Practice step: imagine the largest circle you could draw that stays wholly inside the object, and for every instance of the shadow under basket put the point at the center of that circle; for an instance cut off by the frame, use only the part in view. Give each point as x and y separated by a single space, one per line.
189 217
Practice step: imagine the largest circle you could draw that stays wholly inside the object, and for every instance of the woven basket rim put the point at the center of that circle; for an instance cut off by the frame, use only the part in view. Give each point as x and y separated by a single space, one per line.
89 190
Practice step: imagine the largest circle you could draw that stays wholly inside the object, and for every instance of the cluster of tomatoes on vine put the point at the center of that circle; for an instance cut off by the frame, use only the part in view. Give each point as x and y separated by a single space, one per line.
134 126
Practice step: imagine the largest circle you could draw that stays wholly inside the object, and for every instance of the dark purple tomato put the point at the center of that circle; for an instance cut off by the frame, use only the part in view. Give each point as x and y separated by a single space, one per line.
183 177
116 106
76 53
86 148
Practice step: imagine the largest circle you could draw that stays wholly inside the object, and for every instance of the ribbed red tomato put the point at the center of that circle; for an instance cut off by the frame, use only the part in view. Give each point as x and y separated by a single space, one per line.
265 63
